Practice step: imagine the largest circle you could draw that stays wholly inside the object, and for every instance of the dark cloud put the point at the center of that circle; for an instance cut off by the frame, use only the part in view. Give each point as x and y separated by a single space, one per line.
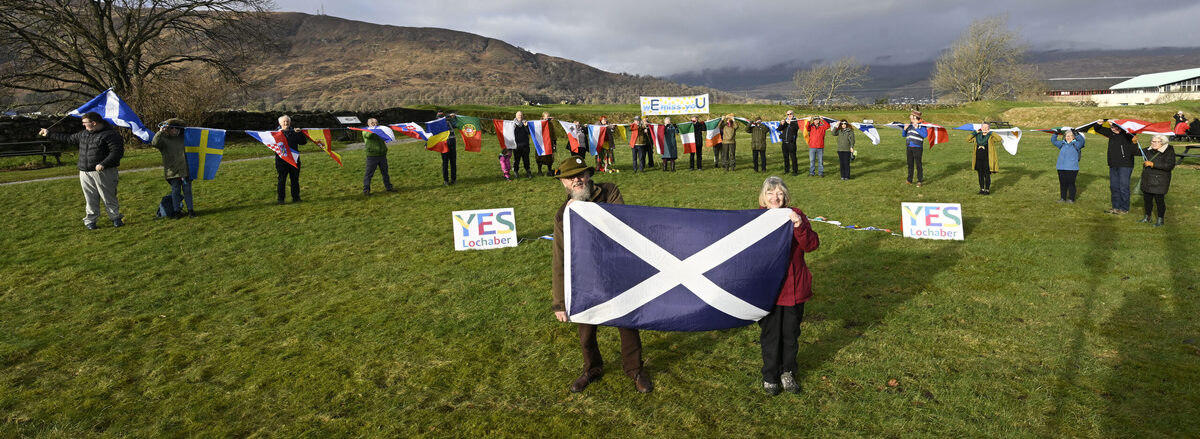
661 38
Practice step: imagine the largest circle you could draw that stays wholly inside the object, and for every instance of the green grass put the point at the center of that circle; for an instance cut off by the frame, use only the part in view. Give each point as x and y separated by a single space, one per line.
352 316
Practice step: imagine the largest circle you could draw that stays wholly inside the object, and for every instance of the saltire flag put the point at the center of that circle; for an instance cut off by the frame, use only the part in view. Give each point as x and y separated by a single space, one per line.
323 138
116 112
472 132
278 143
713 134
505 130
597 137
410 129
439 135
687 133
539 137
869 130
774 134
633 134
386 133
572 134
675 276
658 133
1010 137
203 148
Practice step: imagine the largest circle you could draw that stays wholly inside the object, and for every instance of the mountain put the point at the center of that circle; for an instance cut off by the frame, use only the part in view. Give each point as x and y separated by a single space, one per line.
912 80
324 62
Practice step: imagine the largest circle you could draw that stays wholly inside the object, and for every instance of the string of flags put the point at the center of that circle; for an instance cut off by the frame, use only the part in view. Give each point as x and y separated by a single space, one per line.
204 147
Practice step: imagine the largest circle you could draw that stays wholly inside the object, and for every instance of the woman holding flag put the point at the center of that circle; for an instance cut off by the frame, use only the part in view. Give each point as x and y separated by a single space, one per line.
283 169
1157 163
669 148
983 160
1069 150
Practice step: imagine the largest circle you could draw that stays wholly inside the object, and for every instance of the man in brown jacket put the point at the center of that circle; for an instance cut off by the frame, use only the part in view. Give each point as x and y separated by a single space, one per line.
576 178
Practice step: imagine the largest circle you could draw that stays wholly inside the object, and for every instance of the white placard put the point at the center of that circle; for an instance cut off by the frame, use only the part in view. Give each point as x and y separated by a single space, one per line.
484 229
669 105
932 220
348 120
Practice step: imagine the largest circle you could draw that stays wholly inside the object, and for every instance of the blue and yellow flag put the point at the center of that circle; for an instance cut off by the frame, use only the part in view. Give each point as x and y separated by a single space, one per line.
439 133
204 148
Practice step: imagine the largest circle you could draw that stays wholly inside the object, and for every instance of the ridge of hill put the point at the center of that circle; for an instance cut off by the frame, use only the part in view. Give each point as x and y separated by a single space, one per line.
325 62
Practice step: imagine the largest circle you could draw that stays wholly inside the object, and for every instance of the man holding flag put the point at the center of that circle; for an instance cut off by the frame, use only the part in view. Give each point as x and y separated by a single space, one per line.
283 169
376 158
169 142
100 152
576 177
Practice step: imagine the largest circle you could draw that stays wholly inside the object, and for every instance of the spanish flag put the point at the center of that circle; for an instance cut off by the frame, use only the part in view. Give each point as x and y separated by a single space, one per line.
323 139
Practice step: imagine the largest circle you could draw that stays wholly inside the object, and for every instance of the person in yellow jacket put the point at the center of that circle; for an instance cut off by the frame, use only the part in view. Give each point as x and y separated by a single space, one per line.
983 160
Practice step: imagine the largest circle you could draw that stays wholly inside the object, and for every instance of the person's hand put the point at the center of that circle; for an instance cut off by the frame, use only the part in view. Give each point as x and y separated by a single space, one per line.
43 132
795 217
99 167
560 315
1148 163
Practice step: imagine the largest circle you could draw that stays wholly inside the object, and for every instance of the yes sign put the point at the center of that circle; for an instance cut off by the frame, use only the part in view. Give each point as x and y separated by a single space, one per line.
484 229
932 220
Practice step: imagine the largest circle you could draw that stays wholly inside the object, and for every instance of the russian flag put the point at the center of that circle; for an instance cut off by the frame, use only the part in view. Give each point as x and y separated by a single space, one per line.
539 136
278 143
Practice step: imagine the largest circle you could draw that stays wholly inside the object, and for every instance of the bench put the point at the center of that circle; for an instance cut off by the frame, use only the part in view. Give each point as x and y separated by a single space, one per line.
1187 149
37 147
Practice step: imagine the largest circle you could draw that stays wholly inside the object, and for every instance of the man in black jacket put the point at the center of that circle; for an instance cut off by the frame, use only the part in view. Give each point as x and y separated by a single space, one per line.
100 152
1120 164
789 129
283 169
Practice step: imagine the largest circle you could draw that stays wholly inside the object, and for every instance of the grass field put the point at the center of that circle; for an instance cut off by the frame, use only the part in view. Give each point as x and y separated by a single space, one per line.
347 315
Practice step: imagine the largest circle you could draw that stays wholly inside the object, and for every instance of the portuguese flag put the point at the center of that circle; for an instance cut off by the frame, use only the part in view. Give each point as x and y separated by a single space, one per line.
472 135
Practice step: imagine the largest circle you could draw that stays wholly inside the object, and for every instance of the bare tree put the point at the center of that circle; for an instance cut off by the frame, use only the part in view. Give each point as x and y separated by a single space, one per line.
79 48
985 63
826 81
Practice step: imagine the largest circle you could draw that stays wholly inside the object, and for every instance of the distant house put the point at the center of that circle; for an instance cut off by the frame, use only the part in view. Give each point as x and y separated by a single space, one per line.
1153 88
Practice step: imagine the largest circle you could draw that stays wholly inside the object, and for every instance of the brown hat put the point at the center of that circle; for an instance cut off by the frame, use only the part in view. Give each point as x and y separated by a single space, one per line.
571 167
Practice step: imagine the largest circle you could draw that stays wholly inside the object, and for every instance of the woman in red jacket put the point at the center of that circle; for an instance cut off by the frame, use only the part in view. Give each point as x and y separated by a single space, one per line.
781 328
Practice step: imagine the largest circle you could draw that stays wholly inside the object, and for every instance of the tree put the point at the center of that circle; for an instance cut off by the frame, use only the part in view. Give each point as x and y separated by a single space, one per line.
985 63
825 81
73 49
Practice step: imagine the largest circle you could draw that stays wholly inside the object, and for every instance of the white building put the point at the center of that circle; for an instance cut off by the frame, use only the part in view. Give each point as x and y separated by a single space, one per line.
1153 88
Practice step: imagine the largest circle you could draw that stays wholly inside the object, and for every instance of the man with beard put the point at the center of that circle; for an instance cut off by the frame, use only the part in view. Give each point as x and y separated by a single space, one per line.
576 178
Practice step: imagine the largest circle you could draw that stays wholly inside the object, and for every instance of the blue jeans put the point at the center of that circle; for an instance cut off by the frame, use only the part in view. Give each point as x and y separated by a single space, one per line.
1118 184
816 159
181 191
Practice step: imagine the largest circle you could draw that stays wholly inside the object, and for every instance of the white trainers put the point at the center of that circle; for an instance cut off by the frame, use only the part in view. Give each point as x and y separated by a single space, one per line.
789 382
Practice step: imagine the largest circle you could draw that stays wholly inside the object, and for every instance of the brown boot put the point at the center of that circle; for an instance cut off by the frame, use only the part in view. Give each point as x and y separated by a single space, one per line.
584 379
642 383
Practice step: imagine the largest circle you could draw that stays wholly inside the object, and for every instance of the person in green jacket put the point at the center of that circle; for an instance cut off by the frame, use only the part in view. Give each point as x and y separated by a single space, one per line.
376 158
169 141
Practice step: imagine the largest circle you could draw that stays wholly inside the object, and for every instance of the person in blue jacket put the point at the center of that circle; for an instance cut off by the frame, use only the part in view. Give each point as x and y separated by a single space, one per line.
914 146
1069 150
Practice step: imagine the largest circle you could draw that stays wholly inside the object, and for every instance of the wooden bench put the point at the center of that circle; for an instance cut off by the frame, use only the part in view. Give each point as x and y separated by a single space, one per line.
36 147
1187 152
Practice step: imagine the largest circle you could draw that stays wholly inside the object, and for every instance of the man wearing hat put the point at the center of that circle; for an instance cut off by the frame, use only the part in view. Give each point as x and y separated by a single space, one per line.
576 178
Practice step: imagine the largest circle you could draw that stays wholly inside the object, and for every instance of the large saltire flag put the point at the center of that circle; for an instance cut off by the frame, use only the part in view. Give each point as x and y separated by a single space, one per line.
505 130
203 148
572 134
658 133
1010 137
323 138
597 137
278 143
674 276
713 134
773 126
687 136
384 132
116 112
472 132
439 135
539 137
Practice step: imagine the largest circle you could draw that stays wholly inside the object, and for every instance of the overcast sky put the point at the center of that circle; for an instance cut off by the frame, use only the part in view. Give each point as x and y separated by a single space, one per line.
660 38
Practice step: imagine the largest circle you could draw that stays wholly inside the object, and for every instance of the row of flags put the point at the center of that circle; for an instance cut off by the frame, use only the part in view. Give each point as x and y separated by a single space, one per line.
204 147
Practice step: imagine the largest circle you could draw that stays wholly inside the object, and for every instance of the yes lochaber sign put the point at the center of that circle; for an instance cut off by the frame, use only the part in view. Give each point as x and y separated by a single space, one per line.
932 220
484 229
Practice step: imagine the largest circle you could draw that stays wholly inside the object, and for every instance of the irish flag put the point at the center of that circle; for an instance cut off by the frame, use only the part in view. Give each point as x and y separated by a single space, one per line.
713 135
687 132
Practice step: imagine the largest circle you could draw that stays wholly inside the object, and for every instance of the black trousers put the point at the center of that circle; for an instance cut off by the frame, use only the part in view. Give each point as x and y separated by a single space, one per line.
283 171
844 163
521 154
379 162
985 177
780 340
696 159
639 157
755 154
1066 184
631 350
717 154
1150 199
914 158
789 153
450 165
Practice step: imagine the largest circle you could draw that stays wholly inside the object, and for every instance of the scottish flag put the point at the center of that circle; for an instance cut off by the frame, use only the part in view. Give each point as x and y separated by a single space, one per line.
672 269
116 112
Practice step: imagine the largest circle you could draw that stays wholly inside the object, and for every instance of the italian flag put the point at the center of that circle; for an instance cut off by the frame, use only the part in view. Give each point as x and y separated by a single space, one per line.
687 132
713 135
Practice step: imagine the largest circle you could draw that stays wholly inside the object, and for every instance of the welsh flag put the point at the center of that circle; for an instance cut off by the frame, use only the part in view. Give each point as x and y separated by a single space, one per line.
323 139
278 143
688 134
472 132
713 135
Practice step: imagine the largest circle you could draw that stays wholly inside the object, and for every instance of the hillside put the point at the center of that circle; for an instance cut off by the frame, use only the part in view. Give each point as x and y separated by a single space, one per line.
326 62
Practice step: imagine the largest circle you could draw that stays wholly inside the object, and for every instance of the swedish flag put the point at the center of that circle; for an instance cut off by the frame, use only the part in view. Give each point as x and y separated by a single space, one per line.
204 148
